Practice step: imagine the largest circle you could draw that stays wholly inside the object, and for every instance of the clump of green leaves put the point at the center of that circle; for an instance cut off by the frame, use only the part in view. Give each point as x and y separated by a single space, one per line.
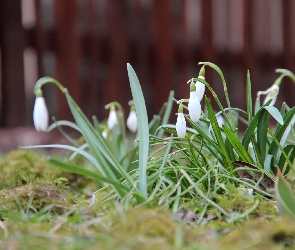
185 172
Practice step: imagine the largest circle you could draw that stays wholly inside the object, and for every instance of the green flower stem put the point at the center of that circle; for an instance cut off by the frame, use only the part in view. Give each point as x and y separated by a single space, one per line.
48 79
217 69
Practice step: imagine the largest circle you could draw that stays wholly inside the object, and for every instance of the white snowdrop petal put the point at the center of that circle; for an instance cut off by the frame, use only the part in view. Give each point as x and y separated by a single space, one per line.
181 125
132 121
112 121
40 114
104 134
271 92
200 88
194 107
220 120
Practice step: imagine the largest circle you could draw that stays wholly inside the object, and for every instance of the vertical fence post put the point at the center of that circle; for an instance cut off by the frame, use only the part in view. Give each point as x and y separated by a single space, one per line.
207 36
12 42
67 49
163 51
117 87
288 56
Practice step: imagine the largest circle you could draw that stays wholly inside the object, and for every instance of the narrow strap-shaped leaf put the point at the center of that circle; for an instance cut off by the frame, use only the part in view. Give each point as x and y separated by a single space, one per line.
238 146
275 113
217 132
143 129
262 127
210 142
249 97
78 170
284 196
273 148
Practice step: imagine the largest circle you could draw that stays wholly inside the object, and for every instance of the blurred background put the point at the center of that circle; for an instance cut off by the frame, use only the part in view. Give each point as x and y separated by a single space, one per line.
85 44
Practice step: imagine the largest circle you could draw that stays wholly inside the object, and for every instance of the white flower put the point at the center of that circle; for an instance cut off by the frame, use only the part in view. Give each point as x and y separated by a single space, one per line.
194 107
113 120
200 88
220 120
132 121
105 134
271 92
40 114
181 125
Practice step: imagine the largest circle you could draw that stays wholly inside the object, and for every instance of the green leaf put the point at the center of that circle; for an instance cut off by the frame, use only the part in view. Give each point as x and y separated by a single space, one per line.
237 145
78 170
273 148
249 97
284 196
262 128
217 132
143 128
289 152
275 113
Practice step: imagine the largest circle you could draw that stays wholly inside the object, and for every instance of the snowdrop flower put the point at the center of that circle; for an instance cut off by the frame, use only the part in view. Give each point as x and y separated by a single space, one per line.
180 123
105 134
271 92
113 120
132 120
40 113
200 87
220 120
194 106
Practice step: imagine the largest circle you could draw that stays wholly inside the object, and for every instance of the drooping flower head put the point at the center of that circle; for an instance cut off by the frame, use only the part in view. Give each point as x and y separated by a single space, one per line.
200 87
40 113
220 120
194 104
271 92
132 120
112 120
180 123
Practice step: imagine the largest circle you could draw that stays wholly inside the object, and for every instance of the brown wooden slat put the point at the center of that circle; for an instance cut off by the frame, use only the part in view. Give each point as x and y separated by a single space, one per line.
288 56
91 97
39 38
13 106
67 51
163 52
117 86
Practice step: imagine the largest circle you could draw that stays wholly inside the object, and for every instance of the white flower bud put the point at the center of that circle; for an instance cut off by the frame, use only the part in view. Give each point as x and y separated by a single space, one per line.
132 121
271 92
194 107
200 88
40 114
181 125
220 120
113 120
105 134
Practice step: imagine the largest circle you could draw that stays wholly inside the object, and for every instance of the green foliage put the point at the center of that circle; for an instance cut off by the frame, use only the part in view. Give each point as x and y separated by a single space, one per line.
184 172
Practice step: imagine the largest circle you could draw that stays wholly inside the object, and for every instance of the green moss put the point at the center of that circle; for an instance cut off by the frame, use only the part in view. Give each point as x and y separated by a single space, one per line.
21 167
35 196
235 202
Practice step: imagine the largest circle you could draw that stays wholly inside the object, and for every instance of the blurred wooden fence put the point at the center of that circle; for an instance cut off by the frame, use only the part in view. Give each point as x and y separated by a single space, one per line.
86 44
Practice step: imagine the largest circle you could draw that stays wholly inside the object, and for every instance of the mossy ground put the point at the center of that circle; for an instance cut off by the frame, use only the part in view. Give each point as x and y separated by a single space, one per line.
42 207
